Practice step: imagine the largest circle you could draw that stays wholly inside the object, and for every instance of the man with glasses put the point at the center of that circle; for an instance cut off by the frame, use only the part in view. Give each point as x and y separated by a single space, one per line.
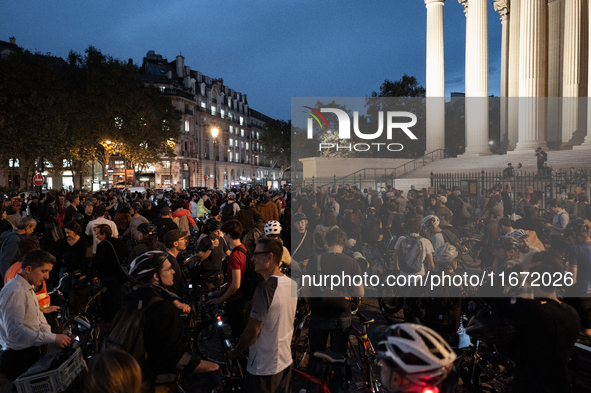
175 242
270 327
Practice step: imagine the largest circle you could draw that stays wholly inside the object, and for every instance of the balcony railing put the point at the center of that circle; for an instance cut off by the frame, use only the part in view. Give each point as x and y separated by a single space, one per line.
189 112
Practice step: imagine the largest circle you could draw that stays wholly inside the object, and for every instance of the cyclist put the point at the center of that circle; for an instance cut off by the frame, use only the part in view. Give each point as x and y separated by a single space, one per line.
526 251
302 238
372 227
431 222
163 326
414 358
211 250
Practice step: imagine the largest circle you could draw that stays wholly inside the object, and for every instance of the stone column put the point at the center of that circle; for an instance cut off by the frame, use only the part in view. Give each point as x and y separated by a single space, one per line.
513 77
435 76
587 144
555 62
502 7
532 74
571 87
477 78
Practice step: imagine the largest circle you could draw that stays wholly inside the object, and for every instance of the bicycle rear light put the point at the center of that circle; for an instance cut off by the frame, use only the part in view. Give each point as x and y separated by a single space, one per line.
430 390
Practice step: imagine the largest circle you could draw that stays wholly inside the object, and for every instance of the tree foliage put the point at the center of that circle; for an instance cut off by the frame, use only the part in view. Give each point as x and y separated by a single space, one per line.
407 86
68 110
276 143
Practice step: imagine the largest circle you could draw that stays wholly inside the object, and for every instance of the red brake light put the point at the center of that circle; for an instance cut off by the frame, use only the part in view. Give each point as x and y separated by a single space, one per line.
431 390
220 318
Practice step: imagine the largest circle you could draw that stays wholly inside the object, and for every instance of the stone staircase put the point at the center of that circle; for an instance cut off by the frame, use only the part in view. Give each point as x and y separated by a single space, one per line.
579 157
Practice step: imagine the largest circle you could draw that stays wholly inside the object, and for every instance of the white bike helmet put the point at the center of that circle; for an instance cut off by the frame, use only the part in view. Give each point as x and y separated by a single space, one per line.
418 356
445 254
518 234
431 219
272 228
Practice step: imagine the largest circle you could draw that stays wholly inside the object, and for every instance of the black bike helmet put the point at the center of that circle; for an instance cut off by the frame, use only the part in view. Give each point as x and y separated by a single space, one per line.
299 217
145 265
213 225
506 242
146 228
371 211
78 218
576 227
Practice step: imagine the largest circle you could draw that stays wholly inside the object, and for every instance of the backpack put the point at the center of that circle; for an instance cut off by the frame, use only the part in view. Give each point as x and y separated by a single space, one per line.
127 330
466 211
182 222
410 254
228 212
250 279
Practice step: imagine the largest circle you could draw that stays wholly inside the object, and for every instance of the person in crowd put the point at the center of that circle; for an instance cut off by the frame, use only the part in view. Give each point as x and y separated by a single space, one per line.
74 249
268 209
233 295
331 308
113 371
11 215
302 240
257 231
89 215
136 219
148 241
527 251
106 266
246 214
508 172
491 233
579 264
329 222
23 327
9 243
269 330
431 222
541 158
100 212
163 326
164 223
72 209
559 222
211 250
176 242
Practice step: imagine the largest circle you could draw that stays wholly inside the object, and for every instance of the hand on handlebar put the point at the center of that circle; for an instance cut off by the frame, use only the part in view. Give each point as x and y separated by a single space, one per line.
216 301
50 309
185 308
61 340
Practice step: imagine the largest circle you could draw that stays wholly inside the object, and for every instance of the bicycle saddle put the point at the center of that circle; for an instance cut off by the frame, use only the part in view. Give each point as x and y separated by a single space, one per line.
330 357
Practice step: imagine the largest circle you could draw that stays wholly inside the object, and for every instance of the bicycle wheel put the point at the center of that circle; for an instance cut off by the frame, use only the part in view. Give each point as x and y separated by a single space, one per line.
390 306
210 341
299 342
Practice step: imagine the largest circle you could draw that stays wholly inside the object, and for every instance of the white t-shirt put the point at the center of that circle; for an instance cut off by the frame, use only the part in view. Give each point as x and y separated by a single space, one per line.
90 230
427 249
274 305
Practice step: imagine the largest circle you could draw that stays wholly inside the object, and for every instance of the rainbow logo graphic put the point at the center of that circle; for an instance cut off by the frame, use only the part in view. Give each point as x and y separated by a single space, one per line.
315 115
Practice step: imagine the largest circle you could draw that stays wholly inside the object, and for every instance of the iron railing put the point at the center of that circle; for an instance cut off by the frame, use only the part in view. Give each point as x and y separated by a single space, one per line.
553 186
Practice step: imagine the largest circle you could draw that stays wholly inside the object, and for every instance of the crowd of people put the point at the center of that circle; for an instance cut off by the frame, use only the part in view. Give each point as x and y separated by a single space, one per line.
253 244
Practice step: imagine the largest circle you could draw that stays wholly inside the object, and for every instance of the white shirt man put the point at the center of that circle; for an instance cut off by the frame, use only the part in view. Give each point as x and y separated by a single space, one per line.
100 212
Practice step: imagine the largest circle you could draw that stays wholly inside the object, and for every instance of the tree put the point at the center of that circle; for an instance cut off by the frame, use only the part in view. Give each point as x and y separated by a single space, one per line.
407 86
276 143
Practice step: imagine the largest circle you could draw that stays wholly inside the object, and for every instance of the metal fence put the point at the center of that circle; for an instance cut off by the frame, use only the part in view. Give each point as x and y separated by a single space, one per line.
554 186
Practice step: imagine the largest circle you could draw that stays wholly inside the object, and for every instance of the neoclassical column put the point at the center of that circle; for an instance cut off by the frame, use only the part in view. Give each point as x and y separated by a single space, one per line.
555 62
435 76
587 144
532 74
513 77
571 76
502 7
477 78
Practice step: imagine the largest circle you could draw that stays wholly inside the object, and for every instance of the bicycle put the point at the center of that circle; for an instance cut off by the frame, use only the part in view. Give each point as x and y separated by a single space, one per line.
328 359
365 357
210 336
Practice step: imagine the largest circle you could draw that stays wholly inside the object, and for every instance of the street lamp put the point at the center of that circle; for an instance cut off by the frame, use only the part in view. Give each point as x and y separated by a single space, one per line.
214 134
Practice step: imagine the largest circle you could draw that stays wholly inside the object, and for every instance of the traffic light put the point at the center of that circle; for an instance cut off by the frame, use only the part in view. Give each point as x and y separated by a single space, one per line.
40 165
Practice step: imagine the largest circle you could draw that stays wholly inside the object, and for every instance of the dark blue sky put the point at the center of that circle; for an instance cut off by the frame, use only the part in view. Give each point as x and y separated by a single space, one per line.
270 50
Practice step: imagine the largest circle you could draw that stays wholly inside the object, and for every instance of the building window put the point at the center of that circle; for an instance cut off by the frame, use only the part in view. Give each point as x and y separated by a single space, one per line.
237 157
203 105
231 142
242 132
241 145
166 180
119 164
213 110
13 163
230 156
246 145
241 120
231 130
187 125
166 164
162 88
222 113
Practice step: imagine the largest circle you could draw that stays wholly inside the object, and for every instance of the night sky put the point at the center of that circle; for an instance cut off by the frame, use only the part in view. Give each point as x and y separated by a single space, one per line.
269 50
